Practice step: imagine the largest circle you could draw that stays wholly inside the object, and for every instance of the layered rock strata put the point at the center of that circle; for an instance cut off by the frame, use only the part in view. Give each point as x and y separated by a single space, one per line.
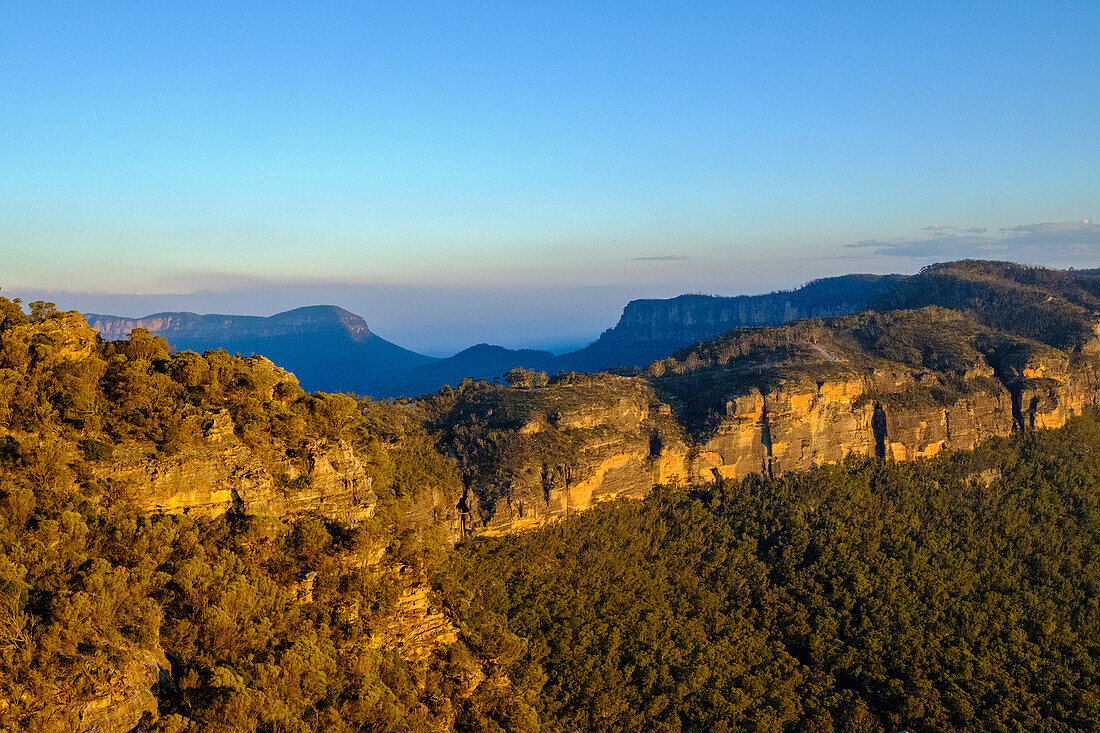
220 473
121 703
635 442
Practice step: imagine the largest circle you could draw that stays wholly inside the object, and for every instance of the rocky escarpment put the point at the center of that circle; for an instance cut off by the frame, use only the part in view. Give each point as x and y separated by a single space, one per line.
331 349
159 429
770 401
118 704
654 329
220 473
418 627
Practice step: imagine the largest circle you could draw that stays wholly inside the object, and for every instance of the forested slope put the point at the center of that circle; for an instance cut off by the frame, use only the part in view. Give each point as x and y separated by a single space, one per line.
112 613
1057 307
958 594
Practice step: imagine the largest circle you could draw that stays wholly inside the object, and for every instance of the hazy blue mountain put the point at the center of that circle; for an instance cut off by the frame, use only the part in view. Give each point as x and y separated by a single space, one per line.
483 361
331 349
326 347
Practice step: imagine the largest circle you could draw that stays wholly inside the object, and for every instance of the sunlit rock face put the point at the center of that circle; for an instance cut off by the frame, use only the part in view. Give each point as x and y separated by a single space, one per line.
219 473
66 337
126 700
535 455
905 385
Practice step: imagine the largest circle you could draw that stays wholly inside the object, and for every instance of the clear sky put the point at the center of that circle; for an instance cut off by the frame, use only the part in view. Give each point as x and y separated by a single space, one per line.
514 172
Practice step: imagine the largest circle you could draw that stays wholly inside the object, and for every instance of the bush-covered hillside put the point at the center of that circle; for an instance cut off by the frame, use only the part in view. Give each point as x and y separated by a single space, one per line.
1052 306
951 595
267 625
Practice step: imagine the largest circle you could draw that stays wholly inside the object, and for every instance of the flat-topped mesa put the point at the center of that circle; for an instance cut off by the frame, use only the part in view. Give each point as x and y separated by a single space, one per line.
653 328
215 326
690 318
759 400
328 348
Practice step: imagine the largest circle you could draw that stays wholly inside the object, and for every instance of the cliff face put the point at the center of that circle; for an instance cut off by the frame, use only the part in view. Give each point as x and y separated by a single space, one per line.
119 705
787 400
333 350
220 473
653 329
61 385
904 385
66 338
417 629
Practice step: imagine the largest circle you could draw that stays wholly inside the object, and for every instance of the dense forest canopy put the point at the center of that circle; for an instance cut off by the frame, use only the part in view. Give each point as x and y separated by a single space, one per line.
87 580
956 594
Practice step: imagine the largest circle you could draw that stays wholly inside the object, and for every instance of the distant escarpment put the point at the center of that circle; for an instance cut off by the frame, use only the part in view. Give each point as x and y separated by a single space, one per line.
653 329
331 349
902 386
327 347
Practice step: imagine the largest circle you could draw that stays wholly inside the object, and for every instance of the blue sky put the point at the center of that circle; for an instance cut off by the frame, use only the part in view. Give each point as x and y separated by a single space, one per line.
513 172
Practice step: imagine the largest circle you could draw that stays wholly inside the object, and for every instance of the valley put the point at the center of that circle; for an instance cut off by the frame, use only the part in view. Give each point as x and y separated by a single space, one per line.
330 349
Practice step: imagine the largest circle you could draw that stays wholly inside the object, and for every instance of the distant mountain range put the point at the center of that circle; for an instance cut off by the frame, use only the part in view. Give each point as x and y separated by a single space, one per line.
331 349
653 329
327 348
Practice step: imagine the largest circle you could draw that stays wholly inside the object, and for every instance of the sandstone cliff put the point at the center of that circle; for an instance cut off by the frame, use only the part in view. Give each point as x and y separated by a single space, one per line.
160 428
117 705
220 473
901 386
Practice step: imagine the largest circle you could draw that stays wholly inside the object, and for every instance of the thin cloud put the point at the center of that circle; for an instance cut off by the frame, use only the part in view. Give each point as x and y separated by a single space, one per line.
662 258
1044 241
1056 232
941 246
938 228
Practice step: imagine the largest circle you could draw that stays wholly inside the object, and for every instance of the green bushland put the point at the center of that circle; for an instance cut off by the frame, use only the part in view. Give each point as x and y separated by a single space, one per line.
1052 306
87 580
868 596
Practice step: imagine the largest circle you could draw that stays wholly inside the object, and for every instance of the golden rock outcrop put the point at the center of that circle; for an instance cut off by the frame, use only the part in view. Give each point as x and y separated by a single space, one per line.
220 473
625 435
